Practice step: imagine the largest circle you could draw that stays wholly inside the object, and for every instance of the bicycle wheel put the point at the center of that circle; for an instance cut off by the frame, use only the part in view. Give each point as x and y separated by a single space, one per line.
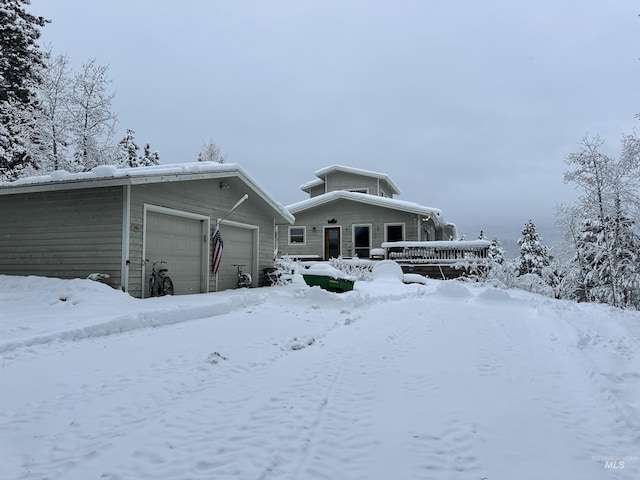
153 291
167 286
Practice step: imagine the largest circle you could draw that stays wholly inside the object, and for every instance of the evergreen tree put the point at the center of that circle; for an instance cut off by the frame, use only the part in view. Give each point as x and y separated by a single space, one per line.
627 264
128 157
149 158
20 64
496 253
128 151
588 255
611 261
534 256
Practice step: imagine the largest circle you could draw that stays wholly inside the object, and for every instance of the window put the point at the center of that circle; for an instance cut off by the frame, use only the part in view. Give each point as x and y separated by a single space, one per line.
362 240
297 235
359 190
394 232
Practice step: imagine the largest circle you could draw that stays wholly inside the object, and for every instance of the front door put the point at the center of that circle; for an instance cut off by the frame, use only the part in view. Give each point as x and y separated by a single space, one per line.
331 242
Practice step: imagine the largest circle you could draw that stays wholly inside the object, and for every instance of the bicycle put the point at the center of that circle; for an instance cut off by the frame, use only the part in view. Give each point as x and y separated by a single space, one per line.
244 279
160 283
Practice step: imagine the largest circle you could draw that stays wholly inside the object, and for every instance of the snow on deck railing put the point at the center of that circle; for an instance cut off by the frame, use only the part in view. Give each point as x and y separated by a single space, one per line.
437 252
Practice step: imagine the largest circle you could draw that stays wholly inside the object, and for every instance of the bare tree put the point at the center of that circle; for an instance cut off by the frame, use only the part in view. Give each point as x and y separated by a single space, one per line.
211 152
54 120
93 122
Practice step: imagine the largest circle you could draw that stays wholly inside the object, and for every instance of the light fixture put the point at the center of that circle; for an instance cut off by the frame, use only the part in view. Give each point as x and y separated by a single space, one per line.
313 228
224 185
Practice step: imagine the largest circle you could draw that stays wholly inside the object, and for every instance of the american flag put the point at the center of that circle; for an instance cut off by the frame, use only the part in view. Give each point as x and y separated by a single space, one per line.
217 251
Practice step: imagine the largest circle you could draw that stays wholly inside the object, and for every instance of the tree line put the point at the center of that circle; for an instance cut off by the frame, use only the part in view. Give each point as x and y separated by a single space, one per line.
54 118
598 258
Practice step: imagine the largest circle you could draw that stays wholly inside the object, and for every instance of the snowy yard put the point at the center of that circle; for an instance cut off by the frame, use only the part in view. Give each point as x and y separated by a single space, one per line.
443 380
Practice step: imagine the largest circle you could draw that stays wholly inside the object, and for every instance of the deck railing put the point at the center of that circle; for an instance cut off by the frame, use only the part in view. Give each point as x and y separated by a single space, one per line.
438 252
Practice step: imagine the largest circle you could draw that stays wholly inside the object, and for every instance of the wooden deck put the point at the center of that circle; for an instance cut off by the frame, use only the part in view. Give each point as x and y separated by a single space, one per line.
443 260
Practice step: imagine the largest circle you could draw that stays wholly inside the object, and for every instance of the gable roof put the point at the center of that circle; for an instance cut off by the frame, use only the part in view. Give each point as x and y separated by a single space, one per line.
356 171
109 175
385 202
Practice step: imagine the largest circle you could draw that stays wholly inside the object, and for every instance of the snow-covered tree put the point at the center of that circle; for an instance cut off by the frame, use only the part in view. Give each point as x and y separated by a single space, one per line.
534 256
627 264
20 62
93 122
602 225
611 253
127 156
211 152
54 118
149 158
496 252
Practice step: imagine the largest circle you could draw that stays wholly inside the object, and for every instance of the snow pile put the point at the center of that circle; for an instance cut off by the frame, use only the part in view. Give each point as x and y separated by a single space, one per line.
66 310
387 270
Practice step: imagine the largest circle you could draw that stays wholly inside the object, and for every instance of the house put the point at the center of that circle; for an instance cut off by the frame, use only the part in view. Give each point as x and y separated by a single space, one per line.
111 220
352 212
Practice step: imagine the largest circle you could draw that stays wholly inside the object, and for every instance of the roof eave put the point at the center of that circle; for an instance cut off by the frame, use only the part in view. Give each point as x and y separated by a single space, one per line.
367 199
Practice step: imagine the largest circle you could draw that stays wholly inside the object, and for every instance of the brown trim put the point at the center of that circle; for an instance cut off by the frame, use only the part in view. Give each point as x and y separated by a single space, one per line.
327 243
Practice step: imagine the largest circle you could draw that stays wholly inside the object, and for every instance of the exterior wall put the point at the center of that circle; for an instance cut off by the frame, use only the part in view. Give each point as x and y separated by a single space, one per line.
347 214
199 197
68 234
349 181
317 190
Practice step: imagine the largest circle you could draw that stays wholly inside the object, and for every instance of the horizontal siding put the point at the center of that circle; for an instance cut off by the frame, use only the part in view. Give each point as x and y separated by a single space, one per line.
203 197
67 234
346 213
349 181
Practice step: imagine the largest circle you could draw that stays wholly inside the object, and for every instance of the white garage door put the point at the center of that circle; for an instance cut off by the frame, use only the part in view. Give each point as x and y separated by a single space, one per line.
239 249
179 242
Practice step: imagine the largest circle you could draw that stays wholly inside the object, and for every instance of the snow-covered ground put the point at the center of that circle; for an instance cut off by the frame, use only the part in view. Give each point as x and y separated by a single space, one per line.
389 381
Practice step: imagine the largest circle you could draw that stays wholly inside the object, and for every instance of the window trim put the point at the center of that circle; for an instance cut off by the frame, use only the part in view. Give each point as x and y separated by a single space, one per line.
353 237
304 235
395 224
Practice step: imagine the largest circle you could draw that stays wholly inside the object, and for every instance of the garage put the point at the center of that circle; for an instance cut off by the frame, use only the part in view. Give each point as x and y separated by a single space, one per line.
179 239
240 243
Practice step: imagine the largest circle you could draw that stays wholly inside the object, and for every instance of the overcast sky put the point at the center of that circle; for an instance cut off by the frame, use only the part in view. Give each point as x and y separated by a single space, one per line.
471 107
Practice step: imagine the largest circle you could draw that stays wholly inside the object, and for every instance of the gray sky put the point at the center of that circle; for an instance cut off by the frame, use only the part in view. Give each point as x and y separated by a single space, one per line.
471 107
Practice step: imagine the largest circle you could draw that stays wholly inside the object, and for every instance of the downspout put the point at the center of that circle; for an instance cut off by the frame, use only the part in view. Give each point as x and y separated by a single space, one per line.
275 240
126 237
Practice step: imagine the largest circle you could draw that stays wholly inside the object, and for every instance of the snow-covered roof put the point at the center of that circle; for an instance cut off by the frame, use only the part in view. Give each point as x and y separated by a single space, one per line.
356 171
109 175
313 183
435 213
